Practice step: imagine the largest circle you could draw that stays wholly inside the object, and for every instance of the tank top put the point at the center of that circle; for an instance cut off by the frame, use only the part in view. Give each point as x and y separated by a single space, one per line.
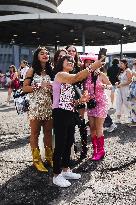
63 96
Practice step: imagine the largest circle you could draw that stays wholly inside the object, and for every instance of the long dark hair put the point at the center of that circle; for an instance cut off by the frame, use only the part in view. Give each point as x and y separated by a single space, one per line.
56 55
59 65
36 65
14 68
125 62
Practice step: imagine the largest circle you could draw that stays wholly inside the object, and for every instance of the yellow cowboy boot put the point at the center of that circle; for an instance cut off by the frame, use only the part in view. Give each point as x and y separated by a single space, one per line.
37 162
49 155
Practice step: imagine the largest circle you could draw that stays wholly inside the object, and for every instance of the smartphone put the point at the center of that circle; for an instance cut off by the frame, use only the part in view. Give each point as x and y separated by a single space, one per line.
102 52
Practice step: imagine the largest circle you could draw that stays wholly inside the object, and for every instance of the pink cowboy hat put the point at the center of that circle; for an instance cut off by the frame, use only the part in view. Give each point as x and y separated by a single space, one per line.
89 56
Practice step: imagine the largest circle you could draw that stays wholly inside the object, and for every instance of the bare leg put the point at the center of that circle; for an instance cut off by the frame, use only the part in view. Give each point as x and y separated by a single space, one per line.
92 126
47 129
35 131
99 126
9 94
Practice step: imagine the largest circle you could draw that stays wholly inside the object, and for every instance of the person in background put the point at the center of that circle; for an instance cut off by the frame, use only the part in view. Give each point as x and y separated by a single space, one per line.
64 117
125 78
132 96
58 54
134 66
109 125
2 79
80 107
13 83
94 87
37 84
23 70
112 73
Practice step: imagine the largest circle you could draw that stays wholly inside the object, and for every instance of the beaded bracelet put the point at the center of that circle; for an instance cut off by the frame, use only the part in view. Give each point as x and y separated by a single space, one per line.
89 69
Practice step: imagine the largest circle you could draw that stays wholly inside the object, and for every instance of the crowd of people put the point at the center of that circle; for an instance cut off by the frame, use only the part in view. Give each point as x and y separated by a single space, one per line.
59 97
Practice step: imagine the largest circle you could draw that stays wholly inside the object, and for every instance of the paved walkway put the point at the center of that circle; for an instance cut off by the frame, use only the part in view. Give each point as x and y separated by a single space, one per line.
111 181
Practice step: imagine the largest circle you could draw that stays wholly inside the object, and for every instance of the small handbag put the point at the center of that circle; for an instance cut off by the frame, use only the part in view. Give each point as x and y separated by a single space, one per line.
92 102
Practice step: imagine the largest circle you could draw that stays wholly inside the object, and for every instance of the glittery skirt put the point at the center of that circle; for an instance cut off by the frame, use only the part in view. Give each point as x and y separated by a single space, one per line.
40 105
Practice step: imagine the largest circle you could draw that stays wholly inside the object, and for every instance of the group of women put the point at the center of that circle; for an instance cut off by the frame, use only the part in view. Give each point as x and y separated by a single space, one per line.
52 105
53 100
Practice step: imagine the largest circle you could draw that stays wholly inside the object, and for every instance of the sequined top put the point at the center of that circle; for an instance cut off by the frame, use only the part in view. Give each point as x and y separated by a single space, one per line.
101 108
63 96
40 100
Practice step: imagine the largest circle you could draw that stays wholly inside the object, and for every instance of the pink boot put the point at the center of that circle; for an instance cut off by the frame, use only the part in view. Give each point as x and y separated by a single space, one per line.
100 148
94 142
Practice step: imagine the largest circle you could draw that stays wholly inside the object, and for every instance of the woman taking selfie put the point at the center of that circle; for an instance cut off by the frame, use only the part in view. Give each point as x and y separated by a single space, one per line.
63 117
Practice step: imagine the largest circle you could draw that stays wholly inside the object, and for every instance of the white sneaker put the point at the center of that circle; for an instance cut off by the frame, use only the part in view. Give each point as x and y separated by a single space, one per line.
112 128
70 175
61 181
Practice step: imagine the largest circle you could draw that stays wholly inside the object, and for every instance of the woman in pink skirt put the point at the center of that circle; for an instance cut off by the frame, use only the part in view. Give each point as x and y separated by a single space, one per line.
97 110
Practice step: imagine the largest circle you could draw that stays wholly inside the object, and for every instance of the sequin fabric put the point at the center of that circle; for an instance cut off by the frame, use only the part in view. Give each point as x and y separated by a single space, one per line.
67 94
40 103
101 108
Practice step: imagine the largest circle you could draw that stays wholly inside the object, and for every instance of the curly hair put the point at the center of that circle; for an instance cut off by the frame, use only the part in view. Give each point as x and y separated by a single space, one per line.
36 65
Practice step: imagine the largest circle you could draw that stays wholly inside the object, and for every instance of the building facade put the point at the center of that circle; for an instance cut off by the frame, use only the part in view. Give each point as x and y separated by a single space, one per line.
11 7
12 53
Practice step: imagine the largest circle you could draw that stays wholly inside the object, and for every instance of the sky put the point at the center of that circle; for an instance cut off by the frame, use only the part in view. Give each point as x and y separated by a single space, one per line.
116 8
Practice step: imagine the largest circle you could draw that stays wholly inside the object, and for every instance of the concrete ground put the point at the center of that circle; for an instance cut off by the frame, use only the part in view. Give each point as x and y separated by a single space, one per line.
111 181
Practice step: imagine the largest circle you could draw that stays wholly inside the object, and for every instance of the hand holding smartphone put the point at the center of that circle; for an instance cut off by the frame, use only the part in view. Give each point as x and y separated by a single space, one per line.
102 54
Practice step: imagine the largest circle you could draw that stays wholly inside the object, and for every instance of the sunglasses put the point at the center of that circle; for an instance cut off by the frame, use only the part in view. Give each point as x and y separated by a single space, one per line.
71 50
70 62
